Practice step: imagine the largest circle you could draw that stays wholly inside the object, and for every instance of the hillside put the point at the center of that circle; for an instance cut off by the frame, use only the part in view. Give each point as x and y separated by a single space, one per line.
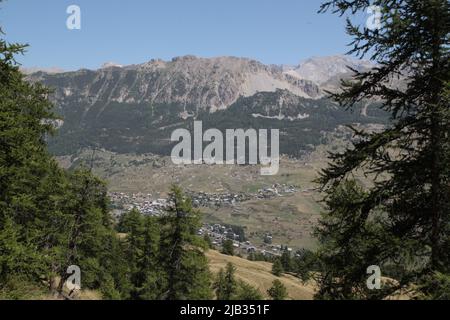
259 275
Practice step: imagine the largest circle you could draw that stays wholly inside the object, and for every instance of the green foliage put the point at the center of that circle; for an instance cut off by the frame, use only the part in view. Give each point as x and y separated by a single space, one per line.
286 260
208 241
90 227
182 251
259 256
49 219
225 285
163 256
228 248
400 221
17 288
108 289
26 171
127 221
149 265
247 292
142 255
305 263
278 291
228 288
436 287
277 268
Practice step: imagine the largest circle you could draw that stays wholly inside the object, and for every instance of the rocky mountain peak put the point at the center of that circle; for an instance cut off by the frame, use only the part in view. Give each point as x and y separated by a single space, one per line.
327 70
203 83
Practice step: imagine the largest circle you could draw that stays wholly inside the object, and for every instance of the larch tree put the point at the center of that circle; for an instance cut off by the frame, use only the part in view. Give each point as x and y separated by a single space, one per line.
399 221
183 260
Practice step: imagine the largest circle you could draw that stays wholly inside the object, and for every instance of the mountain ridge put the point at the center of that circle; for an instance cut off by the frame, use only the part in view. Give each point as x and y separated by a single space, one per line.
209 83
135 108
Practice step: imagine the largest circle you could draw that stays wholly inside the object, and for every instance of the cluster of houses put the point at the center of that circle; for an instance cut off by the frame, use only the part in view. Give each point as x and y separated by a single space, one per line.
219 234
216 200
276 190
146 204
142 202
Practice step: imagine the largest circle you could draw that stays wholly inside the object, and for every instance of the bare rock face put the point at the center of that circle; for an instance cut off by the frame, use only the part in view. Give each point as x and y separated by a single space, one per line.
207 83
327 71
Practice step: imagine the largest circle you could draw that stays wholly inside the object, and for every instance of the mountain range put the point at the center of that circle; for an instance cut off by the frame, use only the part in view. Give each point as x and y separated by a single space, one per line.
135 108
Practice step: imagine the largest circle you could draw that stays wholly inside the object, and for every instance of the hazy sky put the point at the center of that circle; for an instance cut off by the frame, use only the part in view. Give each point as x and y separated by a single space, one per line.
135 31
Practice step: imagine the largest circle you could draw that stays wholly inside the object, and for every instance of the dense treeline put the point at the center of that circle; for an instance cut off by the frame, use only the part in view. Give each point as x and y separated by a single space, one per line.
163 256
49 218
116 117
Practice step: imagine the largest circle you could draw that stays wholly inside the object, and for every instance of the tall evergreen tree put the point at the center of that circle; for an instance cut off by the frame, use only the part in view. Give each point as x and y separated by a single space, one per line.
228 247
26 174
278 291
89 227
305 263
134 249
228 288
247 292
182 251
149 264
277 268
225 284
286 260
401 221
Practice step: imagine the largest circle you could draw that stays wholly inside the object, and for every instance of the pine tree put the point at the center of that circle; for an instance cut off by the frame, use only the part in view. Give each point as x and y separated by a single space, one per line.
435 287
29 201
278 291
108 289
225 284
277 268
219 285
399 222
228 248
13 254
89 228
149 263
305 263
115 282
134 249
251 256
142 255
183 260
247 292
286 260
208 241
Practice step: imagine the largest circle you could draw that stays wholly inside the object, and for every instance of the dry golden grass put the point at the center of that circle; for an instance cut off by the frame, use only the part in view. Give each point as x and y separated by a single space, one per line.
259 275
80 295
89 295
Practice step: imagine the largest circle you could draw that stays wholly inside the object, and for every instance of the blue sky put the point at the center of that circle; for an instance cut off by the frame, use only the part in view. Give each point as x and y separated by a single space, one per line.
135 31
